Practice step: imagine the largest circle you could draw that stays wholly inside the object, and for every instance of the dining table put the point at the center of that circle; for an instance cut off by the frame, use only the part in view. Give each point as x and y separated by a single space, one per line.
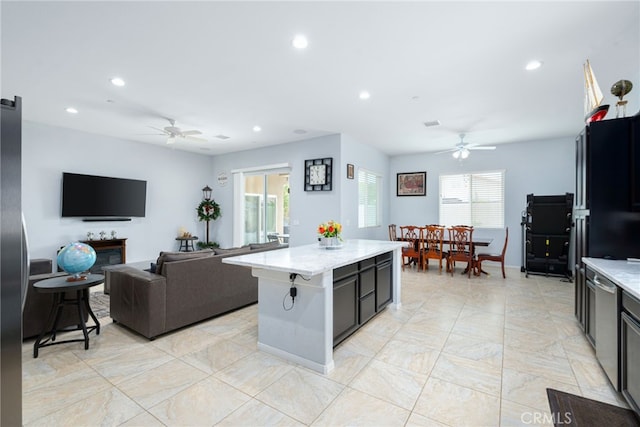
475 242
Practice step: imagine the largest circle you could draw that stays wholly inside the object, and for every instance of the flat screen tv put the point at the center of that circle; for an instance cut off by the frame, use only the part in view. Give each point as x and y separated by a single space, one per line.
91 196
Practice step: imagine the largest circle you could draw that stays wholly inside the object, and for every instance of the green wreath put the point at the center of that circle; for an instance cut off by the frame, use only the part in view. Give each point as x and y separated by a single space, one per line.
208 210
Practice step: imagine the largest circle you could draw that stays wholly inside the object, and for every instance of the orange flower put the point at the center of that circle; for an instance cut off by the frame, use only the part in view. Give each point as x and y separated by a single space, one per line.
330 229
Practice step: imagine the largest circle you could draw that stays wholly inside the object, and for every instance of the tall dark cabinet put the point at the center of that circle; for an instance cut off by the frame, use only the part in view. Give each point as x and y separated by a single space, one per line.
607 199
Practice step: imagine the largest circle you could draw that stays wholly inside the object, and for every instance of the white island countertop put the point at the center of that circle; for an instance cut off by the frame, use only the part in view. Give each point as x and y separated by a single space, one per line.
310 260
624 273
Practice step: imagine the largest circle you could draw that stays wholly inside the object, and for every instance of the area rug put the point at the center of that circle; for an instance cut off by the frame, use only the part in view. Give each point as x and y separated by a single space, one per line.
99 303
576 411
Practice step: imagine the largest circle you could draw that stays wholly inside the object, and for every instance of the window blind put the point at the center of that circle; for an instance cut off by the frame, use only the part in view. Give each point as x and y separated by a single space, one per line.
475 199
368 199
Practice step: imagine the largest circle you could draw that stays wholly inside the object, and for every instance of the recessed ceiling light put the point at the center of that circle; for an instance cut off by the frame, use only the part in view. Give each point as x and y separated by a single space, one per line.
257 128
364 95
71 110
300 42
533 65
117 81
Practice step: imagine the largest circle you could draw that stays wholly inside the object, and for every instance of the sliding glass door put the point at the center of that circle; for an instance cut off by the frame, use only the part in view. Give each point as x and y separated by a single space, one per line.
266 207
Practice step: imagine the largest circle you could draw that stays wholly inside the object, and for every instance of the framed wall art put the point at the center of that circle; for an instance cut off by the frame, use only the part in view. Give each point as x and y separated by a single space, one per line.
350 171
412 184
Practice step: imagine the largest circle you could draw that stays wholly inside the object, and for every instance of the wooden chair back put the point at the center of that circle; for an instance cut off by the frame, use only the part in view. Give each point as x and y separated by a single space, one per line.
461 246
433 245
412 236
494 257
393 232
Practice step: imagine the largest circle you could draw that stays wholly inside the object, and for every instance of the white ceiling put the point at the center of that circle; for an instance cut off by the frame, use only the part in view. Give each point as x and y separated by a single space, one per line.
223 67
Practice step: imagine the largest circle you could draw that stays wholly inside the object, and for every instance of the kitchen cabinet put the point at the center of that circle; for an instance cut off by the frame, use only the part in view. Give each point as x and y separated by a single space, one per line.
606 216
630 350
360 291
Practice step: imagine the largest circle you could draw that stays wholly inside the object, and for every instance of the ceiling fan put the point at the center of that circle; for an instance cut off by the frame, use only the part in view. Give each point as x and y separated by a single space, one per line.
462 149
173 133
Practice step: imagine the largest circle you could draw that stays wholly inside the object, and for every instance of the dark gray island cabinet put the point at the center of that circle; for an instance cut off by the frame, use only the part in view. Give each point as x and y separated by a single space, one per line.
360 291
310 298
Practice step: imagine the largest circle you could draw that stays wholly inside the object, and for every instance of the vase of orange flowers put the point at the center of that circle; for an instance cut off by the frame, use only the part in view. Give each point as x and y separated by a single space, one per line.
329 235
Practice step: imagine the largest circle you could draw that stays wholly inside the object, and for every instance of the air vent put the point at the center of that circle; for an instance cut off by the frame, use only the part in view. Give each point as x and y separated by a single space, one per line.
432 123
222 136
300 131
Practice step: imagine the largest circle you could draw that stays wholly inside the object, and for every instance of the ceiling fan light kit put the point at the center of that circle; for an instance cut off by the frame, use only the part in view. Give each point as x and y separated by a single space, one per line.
462 149
173 133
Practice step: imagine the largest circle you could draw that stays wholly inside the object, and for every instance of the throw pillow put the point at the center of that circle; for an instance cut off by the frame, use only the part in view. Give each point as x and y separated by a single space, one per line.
232 251
177 256
266 245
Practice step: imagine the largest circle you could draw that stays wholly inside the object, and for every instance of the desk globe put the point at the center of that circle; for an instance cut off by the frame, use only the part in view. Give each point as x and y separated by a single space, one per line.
76 258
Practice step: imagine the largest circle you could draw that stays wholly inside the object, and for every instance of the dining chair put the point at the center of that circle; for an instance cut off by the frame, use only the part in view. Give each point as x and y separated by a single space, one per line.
433 245
393 232
460 247
493 257
412 236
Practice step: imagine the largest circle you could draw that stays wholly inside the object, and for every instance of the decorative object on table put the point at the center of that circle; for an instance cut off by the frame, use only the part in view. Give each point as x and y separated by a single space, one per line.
208 210
350 171
318 174
620 89
76 258
90 235
113 234
330 237
411 184
593 109
103 235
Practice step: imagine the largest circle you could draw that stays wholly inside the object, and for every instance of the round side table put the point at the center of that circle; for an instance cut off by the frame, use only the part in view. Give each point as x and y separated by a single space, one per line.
59 286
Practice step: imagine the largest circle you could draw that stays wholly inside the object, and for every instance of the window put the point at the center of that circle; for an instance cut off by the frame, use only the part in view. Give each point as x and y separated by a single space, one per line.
368 198
475 199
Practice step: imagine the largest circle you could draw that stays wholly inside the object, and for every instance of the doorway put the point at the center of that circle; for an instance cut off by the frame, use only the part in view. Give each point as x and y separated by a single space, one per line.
266 207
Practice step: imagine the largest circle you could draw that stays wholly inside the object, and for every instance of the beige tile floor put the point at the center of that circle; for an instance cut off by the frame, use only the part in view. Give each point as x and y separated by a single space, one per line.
459 352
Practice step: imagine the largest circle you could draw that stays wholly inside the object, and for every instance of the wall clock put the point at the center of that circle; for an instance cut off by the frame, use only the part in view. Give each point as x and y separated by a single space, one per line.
318 174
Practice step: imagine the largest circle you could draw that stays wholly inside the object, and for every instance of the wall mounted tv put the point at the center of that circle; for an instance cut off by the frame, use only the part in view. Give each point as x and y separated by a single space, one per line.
102 198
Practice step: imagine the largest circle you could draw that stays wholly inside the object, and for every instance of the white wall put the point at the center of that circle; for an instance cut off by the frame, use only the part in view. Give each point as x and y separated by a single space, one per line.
175 179
538 167
362 156
306 208
174 182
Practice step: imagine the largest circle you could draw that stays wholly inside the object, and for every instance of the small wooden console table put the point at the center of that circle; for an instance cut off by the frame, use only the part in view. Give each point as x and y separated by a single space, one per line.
59 286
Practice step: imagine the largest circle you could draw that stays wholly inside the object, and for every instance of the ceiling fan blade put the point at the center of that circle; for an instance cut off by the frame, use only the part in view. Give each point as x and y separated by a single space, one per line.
164 132
481 147
195 138
446 151
191 132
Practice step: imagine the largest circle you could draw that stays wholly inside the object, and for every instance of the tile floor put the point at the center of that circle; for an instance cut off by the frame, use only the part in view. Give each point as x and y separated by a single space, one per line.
459 352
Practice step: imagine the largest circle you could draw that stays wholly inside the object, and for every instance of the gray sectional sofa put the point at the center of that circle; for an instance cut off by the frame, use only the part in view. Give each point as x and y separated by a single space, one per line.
187 287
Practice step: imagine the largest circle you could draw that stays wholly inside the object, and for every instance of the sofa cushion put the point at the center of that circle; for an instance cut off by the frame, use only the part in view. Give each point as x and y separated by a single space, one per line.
179 256
232 251
266 245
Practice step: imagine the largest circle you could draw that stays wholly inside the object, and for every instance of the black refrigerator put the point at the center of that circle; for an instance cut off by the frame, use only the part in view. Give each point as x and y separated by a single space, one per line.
13 263
607 200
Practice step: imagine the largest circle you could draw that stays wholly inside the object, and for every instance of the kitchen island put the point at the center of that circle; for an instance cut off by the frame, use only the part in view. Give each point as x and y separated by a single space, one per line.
301 329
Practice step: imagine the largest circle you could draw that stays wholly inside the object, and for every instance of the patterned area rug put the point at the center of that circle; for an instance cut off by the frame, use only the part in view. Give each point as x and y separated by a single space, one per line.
99 304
